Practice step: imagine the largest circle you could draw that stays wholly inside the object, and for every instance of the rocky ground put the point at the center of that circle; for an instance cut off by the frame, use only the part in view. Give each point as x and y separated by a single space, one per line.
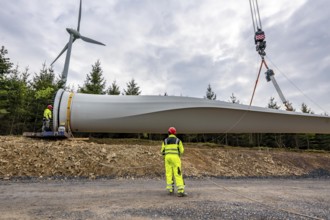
124 179
111 158
144 199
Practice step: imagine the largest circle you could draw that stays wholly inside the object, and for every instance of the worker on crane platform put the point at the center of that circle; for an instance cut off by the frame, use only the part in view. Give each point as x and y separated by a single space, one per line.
260 42
172 149
46 119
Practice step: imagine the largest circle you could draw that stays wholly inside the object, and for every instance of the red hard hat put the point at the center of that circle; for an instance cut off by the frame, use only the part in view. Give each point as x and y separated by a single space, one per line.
172 130
49 106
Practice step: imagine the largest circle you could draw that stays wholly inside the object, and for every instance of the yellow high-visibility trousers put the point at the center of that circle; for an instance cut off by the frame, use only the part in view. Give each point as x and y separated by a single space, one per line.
173 168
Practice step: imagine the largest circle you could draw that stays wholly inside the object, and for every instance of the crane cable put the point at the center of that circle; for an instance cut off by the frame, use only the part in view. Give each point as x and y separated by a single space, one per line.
256 21
213 182
263 203
292 83
263 62
257 26
255 14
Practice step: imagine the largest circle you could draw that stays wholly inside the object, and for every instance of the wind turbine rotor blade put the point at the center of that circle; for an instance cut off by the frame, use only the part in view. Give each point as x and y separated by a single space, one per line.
91 40
79 17
64 49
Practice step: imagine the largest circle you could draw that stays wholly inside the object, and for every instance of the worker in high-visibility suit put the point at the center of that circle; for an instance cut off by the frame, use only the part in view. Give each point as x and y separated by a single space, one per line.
46 119
172 149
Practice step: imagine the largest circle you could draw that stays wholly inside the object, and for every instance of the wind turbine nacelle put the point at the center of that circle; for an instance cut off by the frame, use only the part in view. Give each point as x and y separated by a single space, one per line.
74 32
155 114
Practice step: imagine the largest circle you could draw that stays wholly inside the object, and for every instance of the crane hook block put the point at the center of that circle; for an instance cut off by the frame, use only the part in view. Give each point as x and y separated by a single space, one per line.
259 36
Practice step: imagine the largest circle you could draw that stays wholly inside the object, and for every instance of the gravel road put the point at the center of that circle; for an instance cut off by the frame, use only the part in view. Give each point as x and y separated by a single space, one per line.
139 199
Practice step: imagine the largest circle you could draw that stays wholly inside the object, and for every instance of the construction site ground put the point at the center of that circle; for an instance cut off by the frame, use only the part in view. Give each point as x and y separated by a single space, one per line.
124 179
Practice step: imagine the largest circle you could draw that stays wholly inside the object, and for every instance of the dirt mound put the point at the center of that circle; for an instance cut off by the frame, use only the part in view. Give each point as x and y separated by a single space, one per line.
25 157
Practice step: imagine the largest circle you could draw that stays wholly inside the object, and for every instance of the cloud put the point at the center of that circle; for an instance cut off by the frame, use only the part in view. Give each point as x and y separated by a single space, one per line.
179 47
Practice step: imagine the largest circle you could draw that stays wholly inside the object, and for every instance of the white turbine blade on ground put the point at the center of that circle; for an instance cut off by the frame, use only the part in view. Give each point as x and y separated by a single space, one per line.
155 114
91 40
64 49
79 17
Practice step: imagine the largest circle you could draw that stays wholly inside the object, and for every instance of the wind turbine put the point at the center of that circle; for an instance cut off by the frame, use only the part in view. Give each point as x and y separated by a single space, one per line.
154 114
74 35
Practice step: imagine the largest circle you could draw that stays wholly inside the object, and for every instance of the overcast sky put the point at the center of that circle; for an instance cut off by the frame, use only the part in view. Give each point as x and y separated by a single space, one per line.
180 46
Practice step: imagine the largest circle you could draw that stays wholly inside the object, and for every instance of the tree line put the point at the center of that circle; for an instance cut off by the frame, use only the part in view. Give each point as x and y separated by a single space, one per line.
23 97
23 100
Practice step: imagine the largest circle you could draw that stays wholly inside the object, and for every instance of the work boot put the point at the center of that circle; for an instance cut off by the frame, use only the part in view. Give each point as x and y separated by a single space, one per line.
171 191
181 194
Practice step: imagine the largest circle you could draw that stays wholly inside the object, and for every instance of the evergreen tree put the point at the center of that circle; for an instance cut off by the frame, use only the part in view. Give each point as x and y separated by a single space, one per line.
305 109
132 88
233 99
113 89
322 142
234 138
19 97
94 83
210 94
273 104
304 140
5 64
5 69
26 103
44 86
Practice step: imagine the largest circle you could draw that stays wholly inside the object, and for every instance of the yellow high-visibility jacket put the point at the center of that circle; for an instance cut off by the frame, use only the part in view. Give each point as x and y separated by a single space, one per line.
172 145
47 114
